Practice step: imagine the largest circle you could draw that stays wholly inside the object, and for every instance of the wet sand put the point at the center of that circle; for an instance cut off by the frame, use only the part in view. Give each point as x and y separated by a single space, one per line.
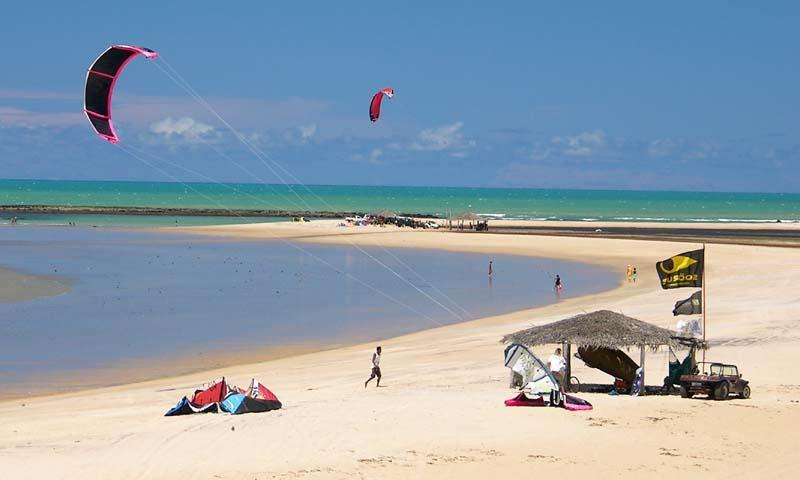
16 286
767 234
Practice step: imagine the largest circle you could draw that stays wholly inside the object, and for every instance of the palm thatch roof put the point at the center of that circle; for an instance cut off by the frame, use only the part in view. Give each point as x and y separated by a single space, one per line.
602 328
467 216
385 214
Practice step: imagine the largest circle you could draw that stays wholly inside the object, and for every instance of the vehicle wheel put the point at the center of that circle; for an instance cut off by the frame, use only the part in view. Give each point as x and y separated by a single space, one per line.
722 391
685 393
574 385
745 393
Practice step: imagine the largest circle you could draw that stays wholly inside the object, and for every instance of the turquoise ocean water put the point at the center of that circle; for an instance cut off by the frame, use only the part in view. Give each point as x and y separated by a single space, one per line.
542 204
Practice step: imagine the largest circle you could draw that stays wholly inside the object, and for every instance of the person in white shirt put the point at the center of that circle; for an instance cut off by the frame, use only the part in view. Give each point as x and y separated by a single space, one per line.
558 366
376 368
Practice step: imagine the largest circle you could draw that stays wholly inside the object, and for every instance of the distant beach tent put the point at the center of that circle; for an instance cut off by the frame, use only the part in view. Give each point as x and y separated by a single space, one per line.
385 214
100 80
470 217
375 103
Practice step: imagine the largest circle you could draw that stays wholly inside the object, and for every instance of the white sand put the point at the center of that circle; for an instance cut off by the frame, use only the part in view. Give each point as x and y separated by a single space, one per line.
441 413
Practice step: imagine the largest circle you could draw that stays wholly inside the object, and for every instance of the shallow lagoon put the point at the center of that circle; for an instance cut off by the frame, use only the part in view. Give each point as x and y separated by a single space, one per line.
154 298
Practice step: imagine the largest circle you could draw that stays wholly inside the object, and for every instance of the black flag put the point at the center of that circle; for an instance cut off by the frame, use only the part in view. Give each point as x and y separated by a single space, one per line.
683 270
691 306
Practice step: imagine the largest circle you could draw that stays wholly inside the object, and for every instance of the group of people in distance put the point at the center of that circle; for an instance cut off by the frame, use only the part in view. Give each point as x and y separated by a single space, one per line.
557 287
631 273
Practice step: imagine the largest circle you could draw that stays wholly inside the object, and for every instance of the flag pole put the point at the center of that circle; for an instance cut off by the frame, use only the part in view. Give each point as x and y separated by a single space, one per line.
703 287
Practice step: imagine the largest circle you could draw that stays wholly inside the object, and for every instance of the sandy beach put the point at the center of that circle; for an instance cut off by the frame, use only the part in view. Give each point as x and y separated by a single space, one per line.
19 286
440 412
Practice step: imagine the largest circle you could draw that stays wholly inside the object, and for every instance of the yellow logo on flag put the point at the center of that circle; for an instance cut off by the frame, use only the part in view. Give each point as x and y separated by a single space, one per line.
679 262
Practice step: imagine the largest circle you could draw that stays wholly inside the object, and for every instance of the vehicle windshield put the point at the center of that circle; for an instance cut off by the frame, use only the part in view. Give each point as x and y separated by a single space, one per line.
730 371
714 369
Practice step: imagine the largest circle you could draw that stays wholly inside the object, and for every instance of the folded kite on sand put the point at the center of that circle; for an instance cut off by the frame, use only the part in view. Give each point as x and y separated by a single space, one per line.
257 398
568 401
186 407
219 396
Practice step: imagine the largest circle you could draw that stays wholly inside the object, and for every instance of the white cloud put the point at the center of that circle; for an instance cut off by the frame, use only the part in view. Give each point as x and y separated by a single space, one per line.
185 128
438 139
241 113
372 158
540 152
16 117
294 136
19 94
582 145
445 138
375 155
662 148
307 131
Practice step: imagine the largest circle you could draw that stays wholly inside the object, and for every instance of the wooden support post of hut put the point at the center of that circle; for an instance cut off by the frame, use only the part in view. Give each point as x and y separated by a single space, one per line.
601 332
385 216
641 364
566 351
469 217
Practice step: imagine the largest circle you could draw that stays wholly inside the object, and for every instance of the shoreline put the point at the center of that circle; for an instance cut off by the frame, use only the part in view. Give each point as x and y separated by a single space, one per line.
766 234
440 413
320 232
496 219
317 233
180 211
208 356
259 357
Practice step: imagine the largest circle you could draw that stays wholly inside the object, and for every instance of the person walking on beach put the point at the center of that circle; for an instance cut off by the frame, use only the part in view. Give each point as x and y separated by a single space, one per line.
490 268
634 274
557 366
376 368
558 284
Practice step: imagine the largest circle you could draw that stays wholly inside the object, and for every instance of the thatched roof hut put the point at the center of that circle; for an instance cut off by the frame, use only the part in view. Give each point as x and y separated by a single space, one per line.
385 214
602 328
468 216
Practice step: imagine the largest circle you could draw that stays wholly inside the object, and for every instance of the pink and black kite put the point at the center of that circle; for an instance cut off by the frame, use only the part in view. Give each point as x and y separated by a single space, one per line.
100 82
375 104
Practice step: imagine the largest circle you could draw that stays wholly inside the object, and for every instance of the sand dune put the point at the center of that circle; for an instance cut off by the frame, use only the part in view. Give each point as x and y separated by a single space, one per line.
440 414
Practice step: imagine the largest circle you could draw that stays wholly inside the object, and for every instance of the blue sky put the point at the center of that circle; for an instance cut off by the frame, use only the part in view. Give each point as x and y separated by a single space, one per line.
682 96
